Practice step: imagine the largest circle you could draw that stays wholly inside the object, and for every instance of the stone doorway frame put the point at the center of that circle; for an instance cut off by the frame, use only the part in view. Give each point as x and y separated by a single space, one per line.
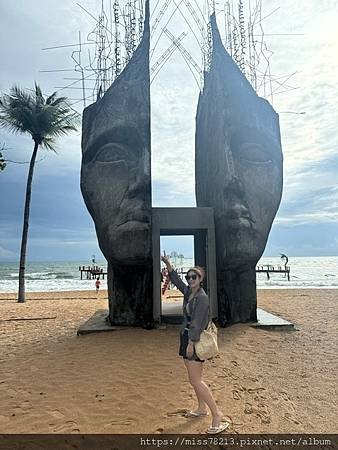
195 221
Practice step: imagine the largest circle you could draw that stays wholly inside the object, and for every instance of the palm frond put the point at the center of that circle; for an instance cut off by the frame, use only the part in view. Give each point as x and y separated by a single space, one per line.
24 112
59 101
51 98
49 144
38 96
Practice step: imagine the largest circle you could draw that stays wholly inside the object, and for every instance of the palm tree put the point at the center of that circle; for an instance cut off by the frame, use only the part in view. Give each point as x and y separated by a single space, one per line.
2 160
24 112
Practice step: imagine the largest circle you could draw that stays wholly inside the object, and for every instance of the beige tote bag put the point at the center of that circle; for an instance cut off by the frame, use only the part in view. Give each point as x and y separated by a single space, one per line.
207 347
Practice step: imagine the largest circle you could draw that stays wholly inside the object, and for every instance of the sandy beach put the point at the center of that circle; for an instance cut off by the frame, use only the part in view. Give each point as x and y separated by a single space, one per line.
133 381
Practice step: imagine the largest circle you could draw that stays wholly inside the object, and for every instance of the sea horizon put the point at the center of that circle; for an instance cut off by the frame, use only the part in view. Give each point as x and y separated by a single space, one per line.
315 272
5 261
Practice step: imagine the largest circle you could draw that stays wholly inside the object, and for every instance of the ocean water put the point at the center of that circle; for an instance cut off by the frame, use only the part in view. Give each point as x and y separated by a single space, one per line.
48 276
305 272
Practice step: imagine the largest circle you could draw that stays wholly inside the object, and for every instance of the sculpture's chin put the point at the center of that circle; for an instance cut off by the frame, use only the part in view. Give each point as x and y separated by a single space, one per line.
241 257
241 254
129 243
244 247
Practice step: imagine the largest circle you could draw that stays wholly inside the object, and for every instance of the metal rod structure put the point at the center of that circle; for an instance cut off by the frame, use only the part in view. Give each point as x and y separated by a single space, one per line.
117 32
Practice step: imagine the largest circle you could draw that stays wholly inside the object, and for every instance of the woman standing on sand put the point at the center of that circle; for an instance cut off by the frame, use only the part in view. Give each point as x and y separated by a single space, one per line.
196 318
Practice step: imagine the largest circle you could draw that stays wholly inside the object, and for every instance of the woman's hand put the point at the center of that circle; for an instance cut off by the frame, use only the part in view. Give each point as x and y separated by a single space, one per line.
190 350
166 261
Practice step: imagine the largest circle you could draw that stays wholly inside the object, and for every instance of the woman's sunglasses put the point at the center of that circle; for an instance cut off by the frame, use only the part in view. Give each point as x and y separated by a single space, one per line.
192 277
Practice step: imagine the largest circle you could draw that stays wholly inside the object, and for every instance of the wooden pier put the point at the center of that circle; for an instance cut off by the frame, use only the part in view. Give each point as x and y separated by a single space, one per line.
92 272
273 269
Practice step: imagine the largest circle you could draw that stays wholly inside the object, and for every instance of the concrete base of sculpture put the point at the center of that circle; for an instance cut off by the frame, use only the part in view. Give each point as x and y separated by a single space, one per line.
97 323
172 314
270 321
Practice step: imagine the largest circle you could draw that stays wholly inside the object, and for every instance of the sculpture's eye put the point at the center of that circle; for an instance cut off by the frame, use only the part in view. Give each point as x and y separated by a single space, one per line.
253 153
112 153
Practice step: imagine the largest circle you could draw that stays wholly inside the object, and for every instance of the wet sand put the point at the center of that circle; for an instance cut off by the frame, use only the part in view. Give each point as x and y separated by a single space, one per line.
133 381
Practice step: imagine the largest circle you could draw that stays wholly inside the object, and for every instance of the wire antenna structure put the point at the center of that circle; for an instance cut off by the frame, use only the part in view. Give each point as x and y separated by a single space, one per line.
117 28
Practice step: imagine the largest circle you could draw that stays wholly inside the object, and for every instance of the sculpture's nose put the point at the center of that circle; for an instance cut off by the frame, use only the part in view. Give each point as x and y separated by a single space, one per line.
233 181
140 186
230 166
235 186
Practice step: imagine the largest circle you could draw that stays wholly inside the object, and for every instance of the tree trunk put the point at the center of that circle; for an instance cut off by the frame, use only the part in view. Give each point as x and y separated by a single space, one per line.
21 294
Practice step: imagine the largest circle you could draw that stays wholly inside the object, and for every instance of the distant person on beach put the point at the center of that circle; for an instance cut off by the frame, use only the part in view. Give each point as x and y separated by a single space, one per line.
97 284
196 318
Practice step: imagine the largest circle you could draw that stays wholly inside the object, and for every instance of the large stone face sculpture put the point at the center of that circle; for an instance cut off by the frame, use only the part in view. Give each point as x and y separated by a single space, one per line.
239 173
116 186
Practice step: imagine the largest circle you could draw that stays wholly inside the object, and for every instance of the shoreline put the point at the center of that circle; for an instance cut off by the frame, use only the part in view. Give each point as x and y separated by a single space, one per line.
133 381
40 294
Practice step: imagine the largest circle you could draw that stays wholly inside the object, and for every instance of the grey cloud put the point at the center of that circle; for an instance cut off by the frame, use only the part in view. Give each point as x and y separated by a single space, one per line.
309 142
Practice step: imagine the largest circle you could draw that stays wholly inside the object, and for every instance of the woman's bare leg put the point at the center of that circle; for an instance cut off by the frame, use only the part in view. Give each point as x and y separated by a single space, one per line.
202 407
202 390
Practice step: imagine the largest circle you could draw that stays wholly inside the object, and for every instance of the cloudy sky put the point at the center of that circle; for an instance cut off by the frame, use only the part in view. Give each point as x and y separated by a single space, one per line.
303 39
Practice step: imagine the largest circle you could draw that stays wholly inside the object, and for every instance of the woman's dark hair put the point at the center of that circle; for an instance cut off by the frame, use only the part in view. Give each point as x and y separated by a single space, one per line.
199 271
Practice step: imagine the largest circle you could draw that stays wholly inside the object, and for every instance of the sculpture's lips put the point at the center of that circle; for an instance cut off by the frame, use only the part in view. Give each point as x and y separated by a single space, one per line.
132 211
246 222
133 221
237 221
248 218
234 215
133 226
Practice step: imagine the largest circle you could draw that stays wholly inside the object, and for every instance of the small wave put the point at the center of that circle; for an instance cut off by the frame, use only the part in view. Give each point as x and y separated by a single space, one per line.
44 276
63 276
39 277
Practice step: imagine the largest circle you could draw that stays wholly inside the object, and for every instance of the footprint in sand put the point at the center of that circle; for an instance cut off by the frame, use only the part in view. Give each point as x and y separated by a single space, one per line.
264 415
288 403
251 379
239 387
254 390
261 411
290 407
291 417
248 408
285 396
121 422
284 402
229 373
178 412
56 414
236 395
69 426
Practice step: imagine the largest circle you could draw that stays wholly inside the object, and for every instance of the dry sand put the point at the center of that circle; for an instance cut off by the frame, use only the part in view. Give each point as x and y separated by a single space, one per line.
133 381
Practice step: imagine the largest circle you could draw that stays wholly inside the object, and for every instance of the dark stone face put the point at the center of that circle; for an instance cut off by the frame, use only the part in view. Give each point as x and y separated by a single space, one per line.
115 171
238 160
252 187
115 182
116 186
